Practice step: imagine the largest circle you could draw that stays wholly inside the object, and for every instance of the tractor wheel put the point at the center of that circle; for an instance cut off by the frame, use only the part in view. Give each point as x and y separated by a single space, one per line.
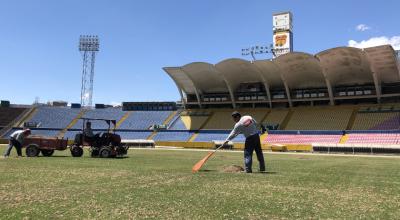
105 152
76 151
32 151
94 152
47 153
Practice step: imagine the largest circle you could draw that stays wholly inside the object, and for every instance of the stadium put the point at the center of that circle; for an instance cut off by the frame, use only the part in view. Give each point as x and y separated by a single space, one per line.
332 118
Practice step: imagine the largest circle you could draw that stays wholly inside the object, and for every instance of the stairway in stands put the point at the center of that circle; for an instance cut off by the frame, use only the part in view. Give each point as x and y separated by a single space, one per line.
194 136
73 122
166 122
19 121
352 119
127 114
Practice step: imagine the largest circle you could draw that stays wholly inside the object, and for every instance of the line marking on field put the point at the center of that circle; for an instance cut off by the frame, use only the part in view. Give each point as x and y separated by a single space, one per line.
268 152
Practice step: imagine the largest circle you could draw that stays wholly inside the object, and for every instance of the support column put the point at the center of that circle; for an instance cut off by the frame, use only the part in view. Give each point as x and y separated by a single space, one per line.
196 91
377 86
265 83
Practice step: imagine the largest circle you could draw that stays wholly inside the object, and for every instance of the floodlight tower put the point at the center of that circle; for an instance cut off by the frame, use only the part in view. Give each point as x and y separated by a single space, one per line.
88 46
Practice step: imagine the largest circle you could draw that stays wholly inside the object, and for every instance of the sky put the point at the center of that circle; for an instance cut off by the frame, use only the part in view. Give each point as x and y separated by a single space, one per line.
39 54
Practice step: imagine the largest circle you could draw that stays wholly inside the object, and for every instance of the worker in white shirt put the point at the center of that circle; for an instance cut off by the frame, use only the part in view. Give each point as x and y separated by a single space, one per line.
17 140
247 126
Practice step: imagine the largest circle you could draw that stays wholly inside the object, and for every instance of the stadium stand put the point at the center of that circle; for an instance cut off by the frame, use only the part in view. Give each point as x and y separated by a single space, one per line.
124 134
212 135
215 124
134 134
302 138
144 119
178 124
173 136
9 114
106 113
373 138
222 119
71 134
188 122
276 116
377 121
44 132
54 117
324 118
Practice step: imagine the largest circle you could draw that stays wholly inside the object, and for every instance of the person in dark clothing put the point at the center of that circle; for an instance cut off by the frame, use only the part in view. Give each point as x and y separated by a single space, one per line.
247 126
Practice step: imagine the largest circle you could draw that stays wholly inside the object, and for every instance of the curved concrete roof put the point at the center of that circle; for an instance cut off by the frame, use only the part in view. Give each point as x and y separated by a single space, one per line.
206 77
330 68
301 70
181 79
383 63
345 66
270 73
237 71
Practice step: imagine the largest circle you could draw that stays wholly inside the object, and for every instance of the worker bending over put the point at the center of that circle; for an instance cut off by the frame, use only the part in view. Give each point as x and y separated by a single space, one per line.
247 126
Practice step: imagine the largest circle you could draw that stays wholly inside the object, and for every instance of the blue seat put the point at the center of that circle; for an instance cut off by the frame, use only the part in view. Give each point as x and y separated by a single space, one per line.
54 117
106 113
173 136
144 119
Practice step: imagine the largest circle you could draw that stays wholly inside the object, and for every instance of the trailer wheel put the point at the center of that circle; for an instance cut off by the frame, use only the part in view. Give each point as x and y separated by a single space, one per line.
47 153
76 151
105 152
32 150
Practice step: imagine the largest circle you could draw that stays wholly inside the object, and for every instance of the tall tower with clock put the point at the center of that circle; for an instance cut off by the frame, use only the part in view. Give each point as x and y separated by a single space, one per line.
282 33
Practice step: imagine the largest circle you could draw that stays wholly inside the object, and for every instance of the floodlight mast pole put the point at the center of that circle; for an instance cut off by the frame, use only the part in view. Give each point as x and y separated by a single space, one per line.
257 50
88 46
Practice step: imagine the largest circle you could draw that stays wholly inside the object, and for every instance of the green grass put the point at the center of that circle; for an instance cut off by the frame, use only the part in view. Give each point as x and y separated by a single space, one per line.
159 184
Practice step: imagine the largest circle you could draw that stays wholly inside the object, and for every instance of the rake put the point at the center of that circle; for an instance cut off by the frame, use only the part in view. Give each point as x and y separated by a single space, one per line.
199 164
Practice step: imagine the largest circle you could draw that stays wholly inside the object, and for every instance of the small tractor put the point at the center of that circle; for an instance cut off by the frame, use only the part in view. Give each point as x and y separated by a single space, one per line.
103 144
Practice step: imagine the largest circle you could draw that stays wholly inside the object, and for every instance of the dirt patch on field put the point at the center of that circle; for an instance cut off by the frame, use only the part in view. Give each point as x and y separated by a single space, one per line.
232 169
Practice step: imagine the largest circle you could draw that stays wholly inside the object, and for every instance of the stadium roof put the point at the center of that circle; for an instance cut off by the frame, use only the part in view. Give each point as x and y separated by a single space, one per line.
341 66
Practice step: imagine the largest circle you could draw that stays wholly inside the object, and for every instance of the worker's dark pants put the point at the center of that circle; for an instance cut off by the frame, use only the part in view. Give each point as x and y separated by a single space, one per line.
253 143
13 143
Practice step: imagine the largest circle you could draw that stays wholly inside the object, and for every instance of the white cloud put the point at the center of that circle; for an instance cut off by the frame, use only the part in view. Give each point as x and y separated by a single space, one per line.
377 41
115 103
362 27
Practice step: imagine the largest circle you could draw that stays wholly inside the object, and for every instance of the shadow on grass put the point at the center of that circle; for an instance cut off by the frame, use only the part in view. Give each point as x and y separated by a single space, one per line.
256 173
206 171
267 172
109 158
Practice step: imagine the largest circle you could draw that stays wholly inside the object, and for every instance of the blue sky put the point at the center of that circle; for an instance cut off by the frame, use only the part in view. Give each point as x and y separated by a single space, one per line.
39 54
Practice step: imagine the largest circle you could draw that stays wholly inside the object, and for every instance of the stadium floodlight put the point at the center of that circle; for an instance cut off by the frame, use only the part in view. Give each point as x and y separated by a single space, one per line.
88 46
253 50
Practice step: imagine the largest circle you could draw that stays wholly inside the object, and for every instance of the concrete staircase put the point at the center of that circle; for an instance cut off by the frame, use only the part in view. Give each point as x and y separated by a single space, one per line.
127 114
286 120
352 119
19 121
194 136
166 122
72 123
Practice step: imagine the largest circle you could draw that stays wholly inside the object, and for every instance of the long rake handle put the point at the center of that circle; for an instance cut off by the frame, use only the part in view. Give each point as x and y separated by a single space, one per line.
199 164
222 145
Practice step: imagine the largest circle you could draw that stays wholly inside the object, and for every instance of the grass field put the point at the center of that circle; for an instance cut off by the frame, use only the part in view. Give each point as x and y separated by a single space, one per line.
158 184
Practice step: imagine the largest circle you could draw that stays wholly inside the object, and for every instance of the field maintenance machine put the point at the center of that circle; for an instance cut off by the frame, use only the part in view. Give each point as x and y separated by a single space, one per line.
104 144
